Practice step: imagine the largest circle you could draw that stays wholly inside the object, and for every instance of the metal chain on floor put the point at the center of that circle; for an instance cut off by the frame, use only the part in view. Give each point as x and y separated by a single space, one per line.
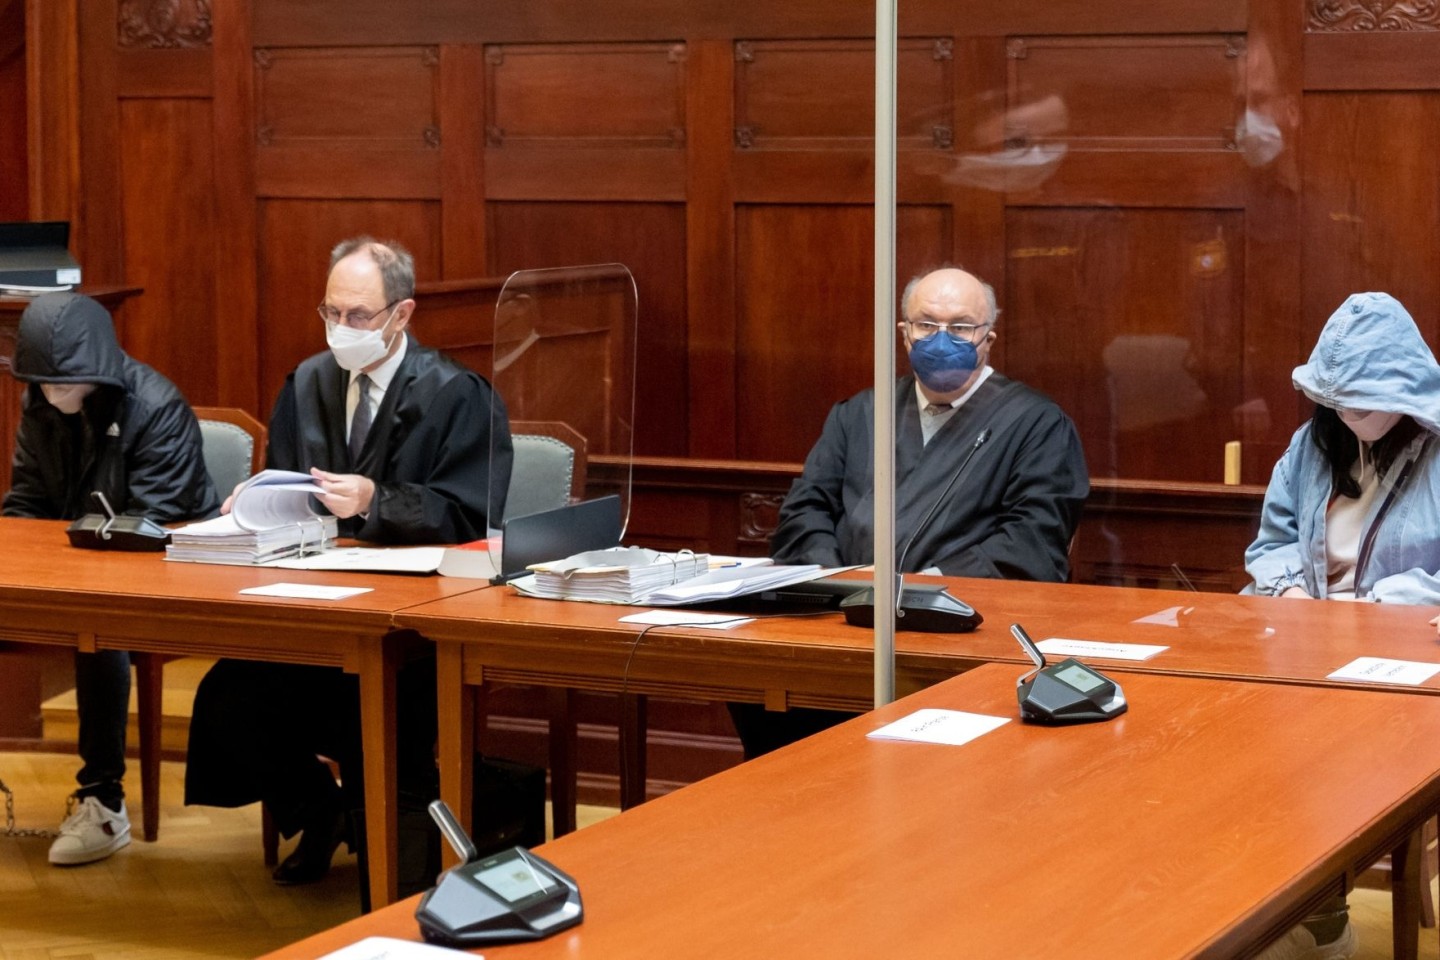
10 828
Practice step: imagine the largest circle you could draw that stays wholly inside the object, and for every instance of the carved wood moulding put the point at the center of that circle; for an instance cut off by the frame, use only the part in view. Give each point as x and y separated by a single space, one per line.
1124 93
1347 16
164 24
307 97
759 516
585 95
819 94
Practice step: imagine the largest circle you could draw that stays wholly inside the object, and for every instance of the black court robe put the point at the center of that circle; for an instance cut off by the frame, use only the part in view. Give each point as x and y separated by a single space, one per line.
257 727
440 463
1010 515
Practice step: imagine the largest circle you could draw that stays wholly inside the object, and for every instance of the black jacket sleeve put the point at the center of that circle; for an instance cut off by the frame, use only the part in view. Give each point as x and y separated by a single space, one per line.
811 513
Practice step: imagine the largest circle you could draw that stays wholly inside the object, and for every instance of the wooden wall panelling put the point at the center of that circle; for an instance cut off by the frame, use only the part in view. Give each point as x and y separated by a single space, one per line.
802 337
586 121
820 94
710 368
1137 534
319 135
1129 319
96 242
463 21
649 239
803 139
164 72
295 238
14 170
1372 199
1352 45
1100 112
170 241
462 160
237 291
978 200
1273 341
460 319
53 110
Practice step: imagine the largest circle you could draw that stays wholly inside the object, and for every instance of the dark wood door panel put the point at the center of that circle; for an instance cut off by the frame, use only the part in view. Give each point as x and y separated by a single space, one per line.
1372 202
296 237
1130 319
172 238
804 292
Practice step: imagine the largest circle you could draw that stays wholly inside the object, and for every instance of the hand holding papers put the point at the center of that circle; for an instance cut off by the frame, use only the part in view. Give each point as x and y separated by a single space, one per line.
270 518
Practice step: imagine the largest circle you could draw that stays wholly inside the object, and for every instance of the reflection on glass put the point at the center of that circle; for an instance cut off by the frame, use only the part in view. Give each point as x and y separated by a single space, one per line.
564 361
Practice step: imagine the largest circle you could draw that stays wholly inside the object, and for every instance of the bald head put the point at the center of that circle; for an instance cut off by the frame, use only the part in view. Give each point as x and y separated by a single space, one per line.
949 294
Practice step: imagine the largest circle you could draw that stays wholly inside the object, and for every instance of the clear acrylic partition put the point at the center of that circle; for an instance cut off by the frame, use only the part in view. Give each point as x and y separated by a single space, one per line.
1130 198
564 363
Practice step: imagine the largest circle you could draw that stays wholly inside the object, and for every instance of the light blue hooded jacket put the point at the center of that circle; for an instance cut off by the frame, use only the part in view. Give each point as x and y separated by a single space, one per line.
1370 356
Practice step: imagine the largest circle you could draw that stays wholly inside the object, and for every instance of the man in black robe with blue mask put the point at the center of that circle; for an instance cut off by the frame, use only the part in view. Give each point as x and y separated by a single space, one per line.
1010 515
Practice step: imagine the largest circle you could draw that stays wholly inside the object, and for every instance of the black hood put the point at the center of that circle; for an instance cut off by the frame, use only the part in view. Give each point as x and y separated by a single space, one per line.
67 338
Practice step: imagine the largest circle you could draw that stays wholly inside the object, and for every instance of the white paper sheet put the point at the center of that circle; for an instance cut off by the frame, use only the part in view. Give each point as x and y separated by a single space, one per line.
305 591
388 948
1380 670
952 727
368 559
1061 647
679 618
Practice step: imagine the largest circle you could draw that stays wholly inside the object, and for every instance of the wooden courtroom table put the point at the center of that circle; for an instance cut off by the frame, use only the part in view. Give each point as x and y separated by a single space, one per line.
52 593
495 634
1149 836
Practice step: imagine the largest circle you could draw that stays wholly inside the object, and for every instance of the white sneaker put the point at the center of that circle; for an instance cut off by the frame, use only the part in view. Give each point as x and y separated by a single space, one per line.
91 832
1299 944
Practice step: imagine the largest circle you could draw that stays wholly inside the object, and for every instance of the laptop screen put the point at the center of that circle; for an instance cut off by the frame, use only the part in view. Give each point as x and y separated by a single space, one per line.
556 534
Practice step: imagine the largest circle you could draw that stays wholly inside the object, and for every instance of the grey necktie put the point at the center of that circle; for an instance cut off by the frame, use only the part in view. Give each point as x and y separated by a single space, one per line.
360 422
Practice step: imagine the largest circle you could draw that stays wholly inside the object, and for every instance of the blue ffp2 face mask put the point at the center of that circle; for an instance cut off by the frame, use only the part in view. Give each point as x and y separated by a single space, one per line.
941 363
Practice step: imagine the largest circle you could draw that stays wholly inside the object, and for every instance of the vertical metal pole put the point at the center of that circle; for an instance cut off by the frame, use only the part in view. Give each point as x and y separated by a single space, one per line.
885 43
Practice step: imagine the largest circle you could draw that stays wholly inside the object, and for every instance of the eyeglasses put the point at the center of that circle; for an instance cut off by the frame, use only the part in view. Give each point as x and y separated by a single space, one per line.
354 318
925 329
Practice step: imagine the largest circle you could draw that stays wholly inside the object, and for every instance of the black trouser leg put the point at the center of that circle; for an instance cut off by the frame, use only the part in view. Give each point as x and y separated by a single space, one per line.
102 696
762 730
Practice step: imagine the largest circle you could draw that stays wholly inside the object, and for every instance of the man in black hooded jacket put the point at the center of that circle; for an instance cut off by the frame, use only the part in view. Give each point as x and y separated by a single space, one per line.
96 420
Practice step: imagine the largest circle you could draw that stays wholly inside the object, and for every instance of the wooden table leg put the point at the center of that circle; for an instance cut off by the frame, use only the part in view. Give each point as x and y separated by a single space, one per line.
149 676
561 704
1405 897
457 738
377 662
632 749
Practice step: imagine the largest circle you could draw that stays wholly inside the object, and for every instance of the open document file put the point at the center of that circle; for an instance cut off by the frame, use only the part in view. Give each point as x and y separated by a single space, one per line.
269 518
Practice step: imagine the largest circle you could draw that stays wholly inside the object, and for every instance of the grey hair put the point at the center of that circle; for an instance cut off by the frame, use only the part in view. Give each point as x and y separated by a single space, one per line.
397 266
990 302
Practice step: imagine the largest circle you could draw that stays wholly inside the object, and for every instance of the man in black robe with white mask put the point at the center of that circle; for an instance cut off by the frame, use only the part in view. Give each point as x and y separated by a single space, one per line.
1010 515
410 447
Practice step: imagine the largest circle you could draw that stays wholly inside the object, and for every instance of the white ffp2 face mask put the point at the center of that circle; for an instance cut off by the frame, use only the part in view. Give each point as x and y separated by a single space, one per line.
1369 425
67 397
355 349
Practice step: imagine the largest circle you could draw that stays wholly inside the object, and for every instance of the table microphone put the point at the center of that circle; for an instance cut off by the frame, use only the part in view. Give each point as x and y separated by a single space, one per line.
925 608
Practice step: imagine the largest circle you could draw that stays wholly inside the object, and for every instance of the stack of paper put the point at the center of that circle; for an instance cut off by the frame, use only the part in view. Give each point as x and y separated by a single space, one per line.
270 517
620 575
636 576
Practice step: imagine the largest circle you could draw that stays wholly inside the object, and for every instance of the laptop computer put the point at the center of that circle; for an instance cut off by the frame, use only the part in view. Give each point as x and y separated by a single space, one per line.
34 255
556 534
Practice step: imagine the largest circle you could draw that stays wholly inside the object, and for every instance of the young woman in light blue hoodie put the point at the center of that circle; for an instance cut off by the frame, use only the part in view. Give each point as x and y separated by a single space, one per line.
1353 507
